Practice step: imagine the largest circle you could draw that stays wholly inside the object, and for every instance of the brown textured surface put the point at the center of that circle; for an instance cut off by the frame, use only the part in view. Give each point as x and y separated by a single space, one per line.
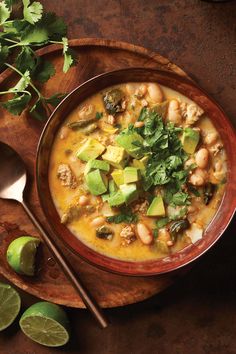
198 314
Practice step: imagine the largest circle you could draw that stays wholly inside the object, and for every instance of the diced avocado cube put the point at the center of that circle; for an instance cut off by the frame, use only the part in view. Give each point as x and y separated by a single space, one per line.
141 164
112 186
131 174
96 164
129 192
190 140
90 150
96 182
157 207
127 140
116 156
118 176
116 199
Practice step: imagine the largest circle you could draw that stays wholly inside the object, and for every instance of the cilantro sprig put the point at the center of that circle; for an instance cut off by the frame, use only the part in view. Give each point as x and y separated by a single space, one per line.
165 167
125 216
19 39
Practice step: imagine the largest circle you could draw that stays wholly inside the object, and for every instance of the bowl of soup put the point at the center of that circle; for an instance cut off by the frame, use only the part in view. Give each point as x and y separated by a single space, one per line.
136 171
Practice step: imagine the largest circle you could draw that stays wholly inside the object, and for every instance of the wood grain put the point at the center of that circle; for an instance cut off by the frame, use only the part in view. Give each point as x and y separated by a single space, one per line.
22 133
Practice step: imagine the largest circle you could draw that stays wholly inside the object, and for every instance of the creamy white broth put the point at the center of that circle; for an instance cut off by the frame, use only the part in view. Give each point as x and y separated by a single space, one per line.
69 140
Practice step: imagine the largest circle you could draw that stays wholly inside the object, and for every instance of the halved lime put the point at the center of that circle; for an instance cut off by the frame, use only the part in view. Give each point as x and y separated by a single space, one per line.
21 254
46 324
9 305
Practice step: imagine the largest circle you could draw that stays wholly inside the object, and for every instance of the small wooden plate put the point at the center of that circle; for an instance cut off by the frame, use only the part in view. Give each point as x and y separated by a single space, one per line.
95 56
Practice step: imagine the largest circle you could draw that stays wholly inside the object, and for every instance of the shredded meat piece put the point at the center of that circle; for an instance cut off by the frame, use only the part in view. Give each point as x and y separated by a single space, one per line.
66 176
140 207
214 149
191 112
127 235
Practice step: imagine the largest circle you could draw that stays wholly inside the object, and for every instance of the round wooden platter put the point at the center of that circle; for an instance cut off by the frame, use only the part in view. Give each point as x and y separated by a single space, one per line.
22 133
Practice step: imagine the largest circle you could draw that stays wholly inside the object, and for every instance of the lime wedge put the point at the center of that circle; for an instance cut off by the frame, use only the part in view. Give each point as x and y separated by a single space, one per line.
21 254
46 324
9 305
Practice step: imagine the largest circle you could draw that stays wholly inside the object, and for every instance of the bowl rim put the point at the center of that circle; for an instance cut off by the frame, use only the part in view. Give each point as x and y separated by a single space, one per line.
124 267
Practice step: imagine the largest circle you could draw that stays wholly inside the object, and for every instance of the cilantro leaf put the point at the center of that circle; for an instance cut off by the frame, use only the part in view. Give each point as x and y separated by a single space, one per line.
22 84
34 35
9 3
69 56
4 12
25 60
35 29
99 115
17 104
162 222
173 162
143 114
180 198
55 26
193 190
32 13
44 70
125 216
15 28
38 110
54 100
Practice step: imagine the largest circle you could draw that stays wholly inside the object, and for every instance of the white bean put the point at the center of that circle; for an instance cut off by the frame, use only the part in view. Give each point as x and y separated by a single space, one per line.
83 200
202 157
211 138
98 221
218 166
131 88
174 112
199 177
145 234
155 93
138 124
64 132
141 90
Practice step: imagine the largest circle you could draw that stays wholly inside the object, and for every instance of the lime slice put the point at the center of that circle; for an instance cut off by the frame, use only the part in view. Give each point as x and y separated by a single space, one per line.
9 305
21 254
46 324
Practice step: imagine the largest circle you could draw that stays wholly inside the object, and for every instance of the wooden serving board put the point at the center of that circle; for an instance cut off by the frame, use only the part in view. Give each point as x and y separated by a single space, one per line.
22 133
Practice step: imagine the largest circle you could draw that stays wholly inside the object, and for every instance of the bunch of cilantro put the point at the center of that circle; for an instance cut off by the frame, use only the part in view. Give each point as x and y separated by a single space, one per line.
19 39
165 167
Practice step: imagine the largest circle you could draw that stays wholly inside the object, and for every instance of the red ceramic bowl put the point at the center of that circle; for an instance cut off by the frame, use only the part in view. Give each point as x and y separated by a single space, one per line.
226 208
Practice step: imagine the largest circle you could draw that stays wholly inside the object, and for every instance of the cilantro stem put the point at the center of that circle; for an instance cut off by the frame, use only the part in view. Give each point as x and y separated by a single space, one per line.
56 42
22 75
9 40
18 44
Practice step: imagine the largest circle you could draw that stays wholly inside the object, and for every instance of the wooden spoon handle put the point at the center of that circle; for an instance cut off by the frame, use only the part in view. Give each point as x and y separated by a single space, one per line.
89 302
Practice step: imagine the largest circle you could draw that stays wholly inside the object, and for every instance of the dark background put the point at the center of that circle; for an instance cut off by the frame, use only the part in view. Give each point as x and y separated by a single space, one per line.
197 315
